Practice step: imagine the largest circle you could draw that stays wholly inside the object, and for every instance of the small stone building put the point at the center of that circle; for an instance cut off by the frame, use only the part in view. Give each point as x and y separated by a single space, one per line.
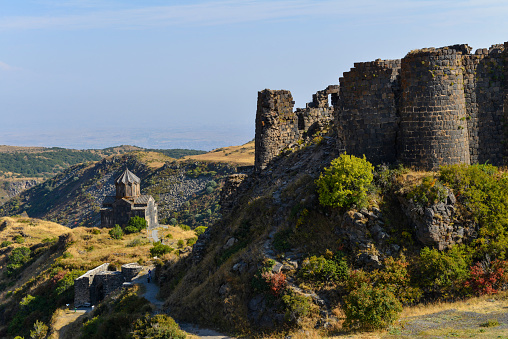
98 283
128 203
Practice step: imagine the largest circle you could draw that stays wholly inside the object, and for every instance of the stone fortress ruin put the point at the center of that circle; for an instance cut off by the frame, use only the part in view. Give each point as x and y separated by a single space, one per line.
436 106
98 283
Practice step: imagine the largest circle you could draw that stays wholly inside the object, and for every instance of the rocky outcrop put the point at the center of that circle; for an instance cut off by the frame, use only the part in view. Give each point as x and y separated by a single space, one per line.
437 225
15 188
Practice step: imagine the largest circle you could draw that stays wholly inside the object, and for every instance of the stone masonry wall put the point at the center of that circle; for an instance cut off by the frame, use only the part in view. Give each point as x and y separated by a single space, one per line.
278 127
436 106
433 128
366 115
82 285
484 100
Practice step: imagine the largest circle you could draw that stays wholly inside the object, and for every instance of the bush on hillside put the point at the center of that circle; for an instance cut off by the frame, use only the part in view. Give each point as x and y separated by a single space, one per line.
483 189
488 277
200 230
345 182
18 257
136 223
159 249
157 326
429 192
321 270
444 272
116 232
371 308
296 306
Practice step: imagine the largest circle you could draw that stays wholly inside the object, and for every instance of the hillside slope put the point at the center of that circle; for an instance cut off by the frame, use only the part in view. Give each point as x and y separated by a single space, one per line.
279 259
74 196
40 260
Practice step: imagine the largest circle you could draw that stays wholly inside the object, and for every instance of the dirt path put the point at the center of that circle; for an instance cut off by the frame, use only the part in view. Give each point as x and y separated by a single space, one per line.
151 291
64 320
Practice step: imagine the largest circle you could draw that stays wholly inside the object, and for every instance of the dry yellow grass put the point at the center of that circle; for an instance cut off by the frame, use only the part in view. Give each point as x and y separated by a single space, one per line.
153 160
239 155
484 304
33 231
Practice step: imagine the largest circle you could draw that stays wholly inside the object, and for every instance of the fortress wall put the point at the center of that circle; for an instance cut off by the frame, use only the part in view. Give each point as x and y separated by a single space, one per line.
366 115
318 113
485 104
82 285
276 125
433 128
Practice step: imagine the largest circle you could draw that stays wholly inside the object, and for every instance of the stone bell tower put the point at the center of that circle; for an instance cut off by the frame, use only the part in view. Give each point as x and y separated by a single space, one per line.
127 185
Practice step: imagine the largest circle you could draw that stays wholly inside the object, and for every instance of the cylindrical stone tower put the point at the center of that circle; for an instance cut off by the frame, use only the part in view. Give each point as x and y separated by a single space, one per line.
433 127
276 125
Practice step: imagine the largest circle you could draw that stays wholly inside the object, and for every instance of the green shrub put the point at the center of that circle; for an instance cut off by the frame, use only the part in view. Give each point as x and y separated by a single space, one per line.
157 326
490 323
209 190
184 227
116 232
138 223
130 229
200 230
159 249
370 308
483 189
429 192
191 241
136 242
5 243
40 330
96 231
444 271
19 239
345 182
296 306
323 271
180 243
67 282
396 278
173 221
18 257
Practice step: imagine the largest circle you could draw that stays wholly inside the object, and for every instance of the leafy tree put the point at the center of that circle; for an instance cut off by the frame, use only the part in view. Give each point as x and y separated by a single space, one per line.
159 249
116 232
137 223
345 182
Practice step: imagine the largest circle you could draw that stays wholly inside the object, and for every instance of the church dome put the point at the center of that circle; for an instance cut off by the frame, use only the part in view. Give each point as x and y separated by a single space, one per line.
127 177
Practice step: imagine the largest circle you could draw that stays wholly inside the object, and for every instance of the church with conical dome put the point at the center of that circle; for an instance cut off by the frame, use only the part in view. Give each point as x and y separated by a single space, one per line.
127 203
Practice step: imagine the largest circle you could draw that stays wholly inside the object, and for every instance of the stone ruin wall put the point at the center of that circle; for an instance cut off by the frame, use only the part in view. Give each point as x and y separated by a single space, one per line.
433 128
367 116
278 126
82 285
435 106
96 284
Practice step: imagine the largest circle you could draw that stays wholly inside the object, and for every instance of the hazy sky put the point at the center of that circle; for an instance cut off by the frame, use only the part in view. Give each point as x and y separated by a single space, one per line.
84 73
